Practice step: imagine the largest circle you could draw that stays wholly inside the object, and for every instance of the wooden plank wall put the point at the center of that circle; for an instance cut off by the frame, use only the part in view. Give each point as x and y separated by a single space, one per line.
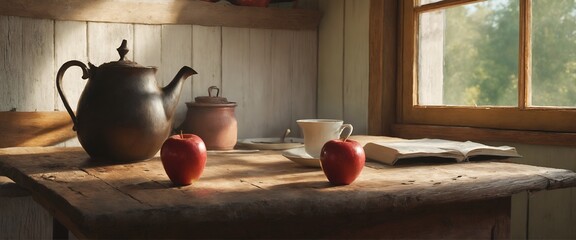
344 55
271 74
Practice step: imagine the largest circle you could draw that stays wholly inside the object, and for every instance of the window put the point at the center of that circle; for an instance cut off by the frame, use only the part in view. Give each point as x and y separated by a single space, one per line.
497 64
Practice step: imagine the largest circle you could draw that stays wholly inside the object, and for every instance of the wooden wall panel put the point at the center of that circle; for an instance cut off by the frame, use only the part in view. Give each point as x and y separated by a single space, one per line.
206 60
176 53
356 52
206 53
343 54
304 75
70 44
10 62
104 38
148 45
259 75
278 86
236 75
331 57
36 88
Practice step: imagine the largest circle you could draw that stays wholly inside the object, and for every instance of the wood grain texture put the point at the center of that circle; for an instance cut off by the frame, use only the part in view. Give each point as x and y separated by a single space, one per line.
236 75
70 44
259 65
163 12
11 63
99 200
279 95
176 53
331 57
304 78
356 64
384 43
206 60
148 45
105 38
34 128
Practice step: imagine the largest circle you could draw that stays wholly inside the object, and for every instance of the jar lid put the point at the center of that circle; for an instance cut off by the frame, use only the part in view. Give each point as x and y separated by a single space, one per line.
212 99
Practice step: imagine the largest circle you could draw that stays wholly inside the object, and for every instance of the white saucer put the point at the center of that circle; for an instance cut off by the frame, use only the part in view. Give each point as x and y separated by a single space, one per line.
270 143
299 155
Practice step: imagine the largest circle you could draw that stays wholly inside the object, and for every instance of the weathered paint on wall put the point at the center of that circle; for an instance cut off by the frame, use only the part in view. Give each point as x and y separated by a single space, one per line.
271 74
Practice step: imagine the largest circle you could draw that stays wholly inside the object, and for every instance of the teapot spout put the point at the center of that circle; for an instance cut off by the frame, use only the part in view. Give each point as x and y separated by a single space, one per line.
173 89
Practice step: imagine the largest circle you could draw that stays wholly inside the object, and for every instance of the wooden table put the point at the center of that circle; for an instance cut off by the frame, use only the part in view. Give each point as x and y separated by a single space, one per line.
264 195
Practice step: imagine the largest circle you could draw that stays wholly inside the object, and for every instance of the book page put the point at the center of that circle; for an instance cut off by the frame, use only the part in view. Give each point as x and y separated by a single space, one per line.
390 151
421 148
470 148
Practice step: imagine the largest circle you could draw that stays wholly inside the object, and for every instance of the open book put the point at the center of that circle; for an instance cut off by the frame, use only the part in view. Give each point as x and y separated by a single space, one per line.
389 152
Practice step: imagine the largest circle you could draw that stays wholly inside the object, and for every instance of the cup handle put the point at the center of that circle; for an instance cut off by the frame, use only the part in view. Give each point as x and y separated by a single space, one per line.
344 126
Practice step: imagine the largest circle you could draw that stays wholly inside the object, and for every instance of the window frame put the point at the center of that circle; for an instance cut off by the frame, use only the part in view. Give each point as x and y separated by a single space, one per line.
392 89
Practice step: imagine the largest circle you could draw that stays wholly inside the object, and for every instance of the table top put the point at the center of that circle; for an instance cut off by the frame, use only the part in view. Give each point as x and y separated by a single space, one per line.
96 199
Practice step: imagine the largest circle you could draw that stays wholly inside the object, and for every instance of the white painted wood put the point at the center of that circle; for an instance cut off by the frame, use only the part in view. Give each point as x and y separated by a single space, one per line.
259 74
356 62
70 44
36 87
331 55
279 98
304 78
206 60
236 75
10 61
176 53
148 45
105 38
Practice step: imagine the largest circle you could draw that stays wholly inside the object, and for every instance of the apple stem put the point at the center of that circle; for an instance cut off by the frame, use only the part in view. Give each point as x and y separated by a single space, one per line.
181 134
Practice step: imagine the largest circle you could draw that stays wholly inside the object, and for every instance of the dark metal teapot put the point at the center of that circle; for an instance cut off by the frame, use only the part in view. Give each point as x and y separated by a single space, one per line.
122 114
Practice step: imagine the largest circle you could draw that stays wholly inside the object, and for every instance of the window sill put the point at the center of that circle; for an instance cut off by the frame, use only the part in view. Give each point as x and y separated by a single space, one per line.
484 134
164 12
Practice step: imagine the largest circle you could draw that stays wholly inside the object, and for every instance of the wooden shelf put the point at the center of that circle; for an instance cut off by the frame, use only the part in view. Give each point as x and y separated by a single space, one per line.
163 12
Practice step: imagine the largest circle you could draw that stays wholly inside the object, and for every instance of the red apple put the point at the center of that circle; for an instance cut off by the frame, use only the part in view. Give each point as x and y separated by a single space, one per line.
183 157
342 160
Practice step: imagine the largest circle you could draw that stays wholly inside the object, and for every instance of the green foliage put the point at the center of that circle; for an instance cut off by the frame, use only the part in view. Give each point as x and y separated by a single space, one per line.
481 47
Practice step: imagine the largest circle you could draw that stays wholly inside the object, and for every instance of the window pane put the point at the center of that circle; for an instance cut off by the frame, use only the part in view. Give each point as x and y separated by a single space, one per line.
554 53
468 55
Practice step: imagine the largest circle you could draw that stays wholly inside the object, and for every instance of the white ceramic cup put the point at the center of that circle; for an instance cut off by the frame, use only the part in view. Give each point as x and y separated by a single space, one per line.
319 131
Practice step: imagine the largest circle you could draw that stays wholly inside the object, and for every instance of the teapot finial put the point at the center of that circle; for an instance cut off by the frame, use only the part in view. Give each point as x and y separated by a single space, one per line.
122 50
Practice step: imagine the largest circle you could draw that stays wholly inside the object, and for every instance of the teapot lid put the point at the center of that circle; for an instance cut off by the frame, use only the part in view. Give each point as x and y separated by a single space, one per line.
212 100
123 61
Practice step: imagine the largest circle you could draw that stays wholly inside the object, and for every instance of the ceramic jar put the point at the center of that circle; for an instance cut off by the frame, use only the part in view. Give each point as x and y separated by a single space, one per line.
213 119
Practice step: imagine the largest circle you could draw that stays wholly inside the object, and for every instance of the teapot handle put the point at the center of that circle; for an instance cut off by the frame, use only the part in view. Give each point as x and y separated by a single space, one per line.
59 75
